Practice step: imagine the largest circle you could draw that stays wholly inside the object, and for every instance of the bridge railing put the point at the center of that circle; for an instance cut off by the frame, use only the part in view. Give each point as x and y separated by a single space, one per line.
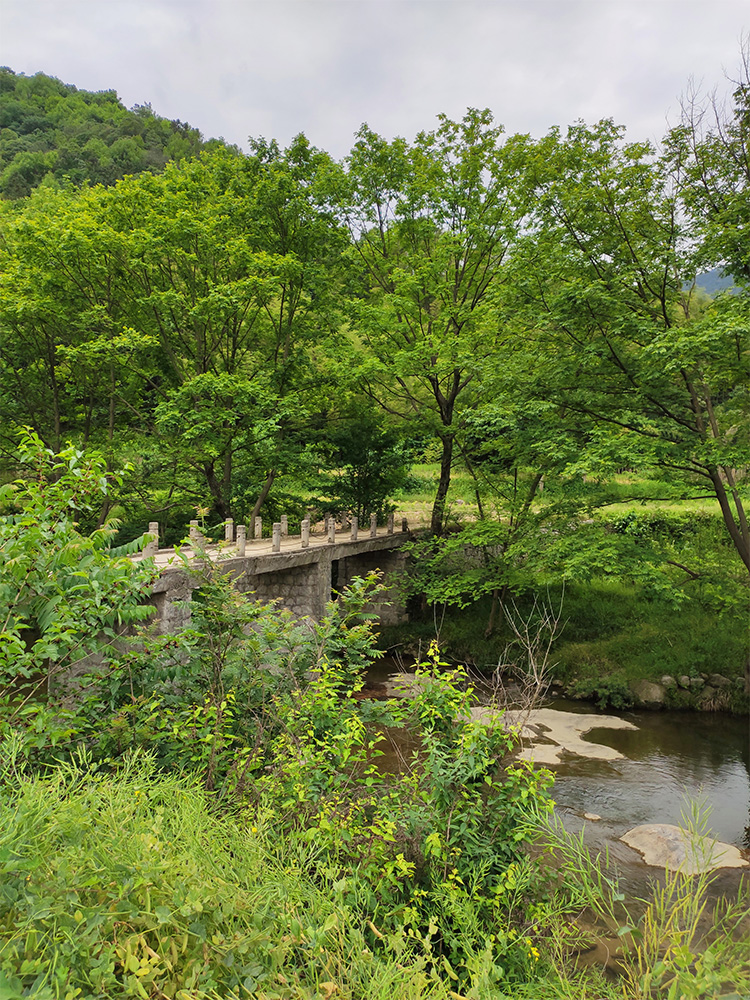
236 535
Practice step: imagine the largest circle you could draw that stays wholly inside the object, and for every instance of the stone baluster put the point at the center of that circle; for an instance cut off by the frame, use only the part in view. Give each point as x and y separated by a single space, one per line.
284 526
276 541
258 529
195 535
373 525
241 539
152 545
404 525
344 522
355 529
331 530
390 523
229 530
305 532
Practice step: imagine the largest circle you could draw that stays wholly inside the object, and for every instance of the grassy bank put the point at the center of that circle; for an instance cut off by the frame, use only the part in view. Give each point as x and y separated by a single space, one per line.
612 636
648 586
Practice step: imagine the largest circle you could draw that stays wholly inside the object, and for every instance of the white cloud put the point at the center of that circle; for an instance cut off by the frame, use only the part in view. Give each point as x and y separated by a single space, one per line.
277 67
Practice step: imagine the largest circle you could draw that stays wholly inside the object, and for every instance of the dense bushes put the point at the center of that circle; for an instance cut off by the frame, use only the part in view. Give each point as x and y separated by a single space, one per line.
262 712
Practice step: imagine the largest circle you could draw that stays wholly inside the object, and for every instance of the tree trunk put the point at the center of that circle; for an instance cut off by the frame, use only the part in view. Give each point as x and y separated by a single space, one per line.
735 532
217 493
262 496
498 600
438 508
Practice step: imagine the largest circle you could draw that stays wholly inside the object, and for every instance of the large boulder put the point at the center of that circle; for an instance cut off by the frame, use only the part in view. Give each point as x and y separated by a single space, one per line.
647 694
719 681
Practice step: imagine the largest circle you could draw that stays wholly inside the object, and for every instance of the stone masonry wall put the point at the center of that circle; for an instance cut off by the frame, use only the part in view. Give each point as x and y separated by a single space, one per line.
389 607
302 581
304 590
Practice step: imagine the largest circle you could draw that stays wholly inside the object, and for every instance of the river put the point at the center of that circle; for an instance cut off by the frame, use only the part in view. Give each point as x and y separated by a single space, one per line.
670 760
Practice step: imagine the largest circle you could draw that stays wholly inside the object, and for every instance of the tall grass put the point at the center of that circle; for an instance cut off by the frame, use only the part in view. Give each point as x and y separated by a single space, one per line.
679 943
129 885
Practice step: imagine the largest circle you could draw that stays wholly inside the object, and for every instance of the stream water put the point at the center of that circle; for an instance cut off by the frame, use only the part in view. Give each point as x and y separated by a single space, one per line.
670 756
671 762
672 759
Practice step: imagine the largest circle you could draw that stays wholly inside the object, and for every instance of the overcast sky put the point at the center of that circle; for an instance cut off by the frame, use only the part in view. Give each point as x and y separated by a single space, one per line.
277 67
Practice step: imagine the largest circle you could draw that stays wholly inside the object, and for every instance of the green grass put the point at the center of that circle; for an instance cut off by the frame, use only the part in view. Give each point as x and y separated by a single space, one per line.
610 629
627 492
415 501
131 886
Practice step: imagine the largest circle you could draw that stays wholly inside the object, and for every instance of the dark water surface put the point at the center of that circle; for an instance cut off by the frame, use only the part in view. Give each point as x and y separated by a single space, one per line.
671 760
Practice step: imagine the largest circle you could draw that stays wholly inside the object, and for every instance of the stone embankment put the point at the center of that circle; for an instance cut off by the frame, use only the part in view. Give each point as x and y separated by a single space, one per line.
702 691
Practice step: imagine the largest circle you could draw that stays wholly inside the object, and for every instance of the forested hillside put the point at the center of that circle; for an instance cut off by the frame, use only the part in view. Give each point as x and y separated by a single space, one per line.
52 130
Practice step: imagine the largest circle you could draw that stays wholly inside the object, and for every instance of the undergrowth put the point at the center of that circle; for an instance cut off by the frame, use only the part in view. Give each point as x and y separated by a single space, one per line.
611 635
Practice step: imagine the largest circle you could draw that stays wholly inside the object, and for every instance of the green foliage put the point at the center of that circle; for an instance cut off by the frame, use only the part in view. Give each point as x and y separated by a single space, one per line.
211 699
54 132
64 594
130 885
369 464
608 691
264 712
172 321
431 224
654 380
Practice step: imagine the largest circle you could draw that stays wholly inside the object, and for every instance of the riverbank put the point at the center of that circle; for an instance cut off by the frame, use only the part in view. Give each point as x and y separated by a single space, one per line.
617 649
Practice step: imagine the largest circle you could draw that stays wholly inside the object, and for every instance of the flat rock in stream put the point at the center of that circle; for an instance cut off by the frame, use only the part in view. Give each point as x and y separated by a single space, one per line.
665 846
548 733
403 685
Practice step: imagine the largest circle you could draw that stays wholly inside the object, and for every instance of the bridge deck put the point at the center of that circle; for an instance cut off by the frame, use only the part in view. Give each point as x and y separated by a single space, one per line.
169 558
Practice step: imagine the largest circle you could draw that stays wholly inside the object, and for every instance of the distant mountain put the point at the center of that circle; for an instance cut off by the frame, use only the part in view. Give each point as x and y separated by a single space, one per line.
714 281
50 129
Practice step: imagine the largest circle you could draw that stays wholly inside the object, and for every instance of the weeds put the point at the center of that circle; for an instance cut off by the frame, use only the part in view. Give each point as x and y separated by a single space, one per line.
683 946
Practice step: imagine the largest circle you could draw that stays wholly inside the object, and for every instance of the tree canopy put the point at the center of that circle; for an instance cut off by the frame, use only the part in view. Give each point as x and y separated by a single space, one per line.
231 324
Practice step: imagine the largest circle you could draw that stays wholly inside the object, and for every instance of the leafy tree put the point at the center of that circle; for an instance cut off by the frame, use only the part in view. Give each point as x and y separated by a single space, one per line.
225 274
66 344
709 152
621 349
431 224
183 308
369 463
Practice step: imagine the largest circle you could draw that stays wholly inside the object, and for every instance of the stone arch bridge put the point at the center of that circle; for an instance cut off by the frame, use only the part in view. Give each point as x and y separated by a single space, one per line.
301 572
